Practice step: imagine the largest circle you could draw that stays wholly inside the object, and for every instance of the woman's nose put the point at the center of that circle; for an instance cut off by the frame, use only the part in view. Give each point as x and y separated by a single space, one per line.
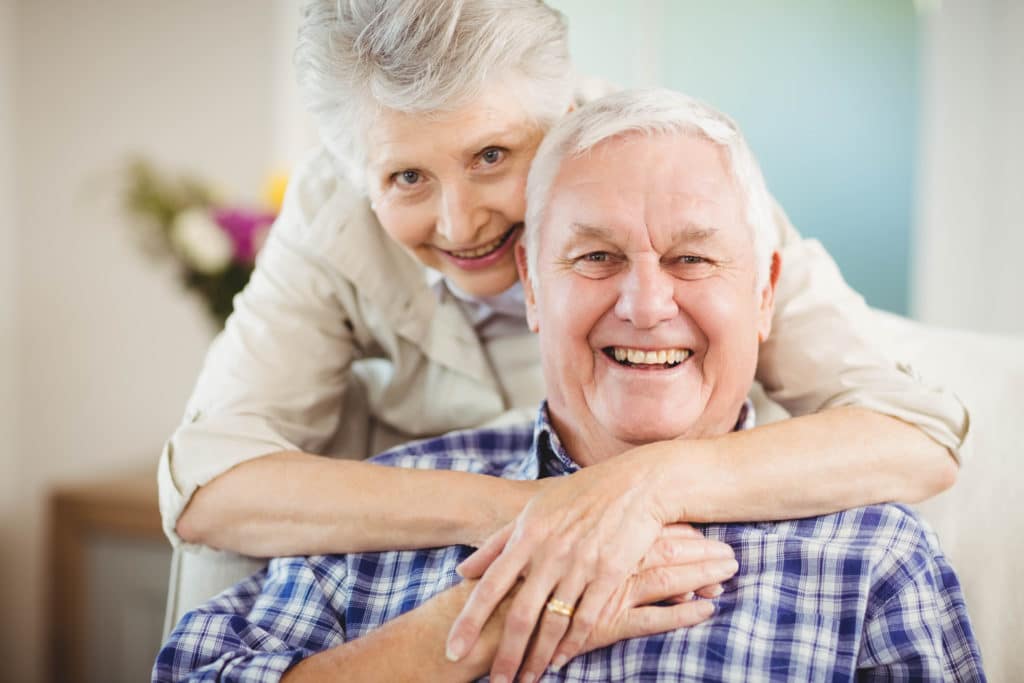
460 217
647 297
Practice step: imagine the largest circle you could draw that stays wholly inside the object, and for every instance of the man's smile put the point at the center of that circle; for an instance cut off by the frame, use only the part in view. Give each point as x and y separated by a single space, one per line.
647 358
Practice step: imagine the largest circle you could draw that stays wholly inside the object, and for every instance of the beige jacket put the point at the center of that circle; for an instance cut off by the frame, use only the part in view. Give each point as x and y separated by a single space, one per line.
339 346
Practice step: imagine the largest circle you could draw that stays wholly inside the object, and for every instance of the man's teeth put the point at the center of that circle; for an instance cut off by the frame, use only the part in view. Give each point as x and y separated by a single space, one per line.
641 357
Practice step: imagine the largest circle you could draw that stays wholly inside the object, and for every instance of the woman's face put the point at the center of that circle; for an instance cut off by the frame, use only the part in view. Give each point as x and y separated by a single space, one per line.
451 187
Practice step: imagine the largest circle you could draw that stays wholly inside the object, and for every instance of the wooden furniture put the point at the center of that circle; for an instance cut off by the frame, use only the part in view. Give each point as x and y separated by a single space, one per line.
109 566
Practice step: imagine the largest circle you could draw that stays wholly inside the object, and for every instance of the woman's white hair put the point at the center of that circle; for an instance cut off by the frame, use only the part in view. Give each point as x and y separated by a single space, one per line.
355 57
654 111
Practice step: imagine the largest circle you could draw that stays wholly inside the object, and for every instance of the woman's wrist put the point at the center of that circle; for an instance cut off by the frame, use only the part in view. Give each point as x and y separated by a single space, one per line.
503 501
679 474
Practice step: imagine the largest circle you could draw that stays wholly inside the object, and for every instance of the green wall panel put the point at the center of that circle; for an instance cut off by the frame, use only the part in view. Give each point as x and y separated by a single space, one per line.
826 93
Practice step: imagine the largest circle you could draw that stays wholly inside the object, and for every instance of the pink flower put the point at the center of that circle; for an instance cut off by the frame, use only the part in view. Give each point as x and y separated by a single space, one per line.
247 229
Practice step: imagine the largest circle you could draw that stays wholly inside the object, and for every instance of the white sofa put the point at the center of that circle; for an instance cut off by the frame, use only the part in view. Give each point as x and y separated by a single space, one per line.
980 521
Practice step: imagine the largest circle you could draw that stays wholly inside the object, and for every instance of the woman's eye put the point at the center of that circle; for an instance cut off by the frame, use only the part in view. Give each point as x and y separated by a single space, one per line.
406 178
596 257
691 260
492 155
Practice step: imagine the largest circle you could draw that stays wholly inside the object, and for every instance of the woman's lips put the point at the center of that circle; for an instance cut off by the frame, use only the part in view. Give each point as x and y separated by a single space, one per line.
486 255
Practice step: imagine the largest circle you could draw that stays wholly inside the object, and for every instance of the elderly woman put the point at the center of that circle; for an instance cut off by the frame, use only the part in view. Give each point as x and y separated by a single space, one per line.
385 307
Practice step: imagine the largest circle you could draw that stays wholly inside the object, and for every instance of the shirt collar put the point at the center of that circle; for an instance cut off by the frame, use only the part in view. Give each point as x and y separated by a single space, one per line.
548 457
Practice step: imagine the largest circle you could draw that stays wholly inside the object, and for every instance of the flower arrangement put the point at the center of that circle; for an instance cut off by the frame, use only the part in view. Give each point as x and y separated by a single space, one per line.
213 243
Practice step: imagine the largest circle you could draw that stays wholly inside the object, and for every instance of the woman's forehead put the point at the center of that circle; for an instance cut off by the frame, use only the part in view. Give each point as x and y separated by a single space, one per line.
396 136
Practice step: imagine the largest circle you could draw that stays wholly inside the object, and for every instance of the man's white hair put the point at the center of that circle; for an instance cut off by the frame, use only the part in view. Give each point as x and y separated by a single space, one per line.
654 111
355 57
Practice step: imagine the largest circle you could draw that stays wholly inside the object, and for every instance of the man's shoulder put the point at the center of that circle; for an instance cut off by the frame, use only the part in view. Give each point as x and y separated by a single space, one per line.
497 451
885 546
889 527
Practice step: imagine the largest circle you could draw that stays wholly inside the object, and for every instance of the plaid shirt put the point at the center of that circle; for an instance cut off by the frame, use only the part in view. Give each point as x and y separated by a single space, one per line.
864 594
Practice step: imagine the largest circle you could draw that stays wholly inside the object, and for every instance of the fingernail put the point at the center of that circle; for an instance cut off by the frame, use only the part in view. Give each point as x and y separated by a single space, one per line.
458 570
527 678
717 590
727 566
558 663
454 650
723 551
705 608
500 678
688 596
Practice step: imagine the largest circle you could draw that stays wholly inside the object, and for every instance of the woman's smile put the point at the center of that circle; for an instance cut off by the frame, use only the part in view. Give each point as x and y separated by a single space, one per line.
486 255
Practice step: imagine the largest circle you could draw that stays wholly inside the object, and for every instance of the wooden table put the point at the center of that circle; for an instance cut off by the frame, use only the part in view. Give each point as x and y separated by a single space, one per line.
123 508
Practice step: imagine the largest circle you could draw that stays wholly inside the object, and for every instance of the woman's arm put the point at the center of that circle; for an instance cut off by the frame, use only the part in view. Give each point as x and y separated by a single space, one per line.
826 350
293 503
811 465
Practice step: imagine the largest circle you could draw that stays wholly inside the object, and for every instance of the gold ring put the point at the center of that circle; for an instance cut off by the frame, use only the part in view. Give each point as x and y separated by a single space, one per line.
558 607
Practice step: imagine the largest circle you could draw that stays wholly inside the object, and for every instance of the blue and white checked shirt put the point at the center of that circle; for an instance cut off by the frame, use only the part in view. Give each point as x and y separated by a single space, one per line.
865 594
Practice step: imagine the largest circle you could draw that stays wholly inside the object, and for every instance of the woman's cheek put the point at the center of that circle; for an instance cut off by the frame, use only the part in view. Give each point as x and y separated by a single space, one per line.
405 225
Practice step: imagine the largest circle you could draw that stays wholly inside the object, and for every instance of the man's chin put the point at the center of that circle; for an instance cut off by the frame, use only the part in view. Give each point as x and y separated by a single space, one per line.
644 432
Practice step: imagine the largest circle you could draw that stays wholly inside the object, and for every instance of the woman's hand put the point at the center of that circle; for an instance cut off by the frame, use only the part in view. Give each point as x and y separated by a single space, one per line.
577 541
658 598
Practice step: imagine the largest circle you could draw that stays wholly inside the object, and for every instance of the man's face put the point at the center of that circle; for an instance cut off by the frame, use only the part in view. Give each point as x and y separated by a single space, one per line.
646 298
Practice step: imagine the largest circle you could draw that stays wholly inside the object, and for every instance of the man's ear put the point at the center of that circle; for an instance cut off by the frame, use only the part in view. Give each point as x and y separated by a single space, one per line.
524 277
767 308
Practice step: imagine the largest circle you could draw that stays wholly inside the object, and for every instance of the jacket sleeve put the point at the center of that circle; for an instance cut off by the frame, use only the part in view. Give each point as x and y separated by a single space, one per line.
255 631
824 352
274 379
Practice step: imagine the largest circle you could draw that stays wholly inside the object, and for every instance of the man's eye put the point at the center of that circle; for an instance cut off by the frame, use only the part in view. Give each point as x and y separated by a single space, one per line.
406 178
690 267
492 155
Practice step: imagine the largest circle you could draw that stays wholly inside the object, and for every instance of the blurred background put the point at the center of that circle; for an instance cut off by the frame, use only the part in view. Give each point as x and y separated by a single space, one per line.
888 129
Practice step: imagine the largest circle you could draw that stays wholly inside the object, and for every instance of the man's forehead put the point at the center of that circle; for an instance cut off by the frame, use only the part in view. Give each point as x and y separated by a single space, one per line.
686 231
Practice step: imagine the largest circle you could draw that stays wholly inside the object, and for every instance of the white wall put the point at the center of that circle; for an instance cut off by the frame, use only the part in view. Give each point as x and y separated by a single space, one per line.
970 227
9 448
109 345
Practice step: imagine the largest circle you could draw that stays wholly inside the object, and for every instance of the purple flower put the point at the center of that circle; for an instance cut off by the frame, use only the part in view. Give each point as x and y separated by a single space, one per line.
247 229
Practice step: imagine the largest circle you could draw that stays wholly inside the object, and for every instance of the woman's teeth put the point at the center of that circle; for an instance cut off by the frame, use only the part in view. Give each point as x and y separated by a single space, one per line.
485 249
640 357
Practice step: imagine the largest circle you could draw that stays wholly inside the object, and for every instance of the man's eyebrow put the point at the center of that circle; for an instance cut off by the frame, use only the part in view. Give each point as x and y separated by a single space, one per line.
693 232
584 230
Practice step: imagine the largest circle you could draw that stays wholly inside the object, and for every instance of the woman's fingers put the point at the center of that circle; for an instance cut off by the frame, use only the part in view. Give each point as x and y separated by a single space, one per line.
647 621
681 550
526 611
679 530
491 589
595 599
554 623
474 566
712 591
663 583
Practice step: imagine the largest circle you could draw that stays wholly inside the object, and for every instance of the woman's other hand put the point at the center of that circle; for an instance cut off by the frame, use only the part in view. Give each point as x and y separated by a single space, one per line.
577 541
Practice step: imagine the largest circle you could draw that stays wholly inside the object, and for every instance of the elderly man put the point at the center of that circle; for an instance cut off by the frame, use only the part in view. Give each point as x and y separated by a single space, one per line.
650 282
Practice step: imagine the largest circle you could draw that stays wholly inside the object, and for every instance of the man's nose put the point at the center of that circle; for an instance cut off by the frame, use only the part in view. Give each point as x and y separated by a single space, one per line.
647 297
460 216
